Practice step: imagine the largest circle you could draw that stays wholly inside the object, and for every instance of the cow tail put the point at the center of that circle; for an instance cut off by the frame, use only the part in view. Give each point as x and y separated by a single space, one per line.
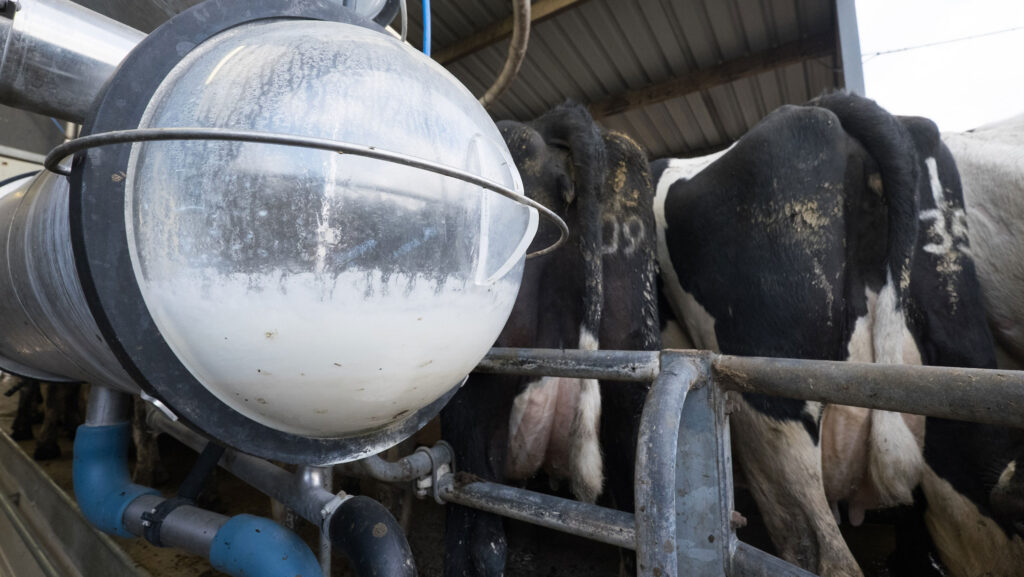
572 126
895 460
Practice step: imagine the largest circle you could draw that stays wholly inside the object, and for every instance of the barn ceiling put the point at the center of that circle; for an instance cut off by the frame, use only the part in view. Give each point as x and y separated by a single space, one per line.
682 77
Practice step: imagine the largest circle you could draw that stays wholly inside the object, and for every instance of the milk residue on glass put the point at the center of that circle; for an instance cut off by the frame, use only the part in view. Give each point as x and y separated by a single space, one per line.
318 293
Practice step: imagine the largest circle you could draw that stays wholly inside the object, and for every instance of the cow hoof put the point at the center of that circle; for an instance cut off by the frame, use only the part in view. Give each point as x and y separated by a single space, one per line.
46 452
21 434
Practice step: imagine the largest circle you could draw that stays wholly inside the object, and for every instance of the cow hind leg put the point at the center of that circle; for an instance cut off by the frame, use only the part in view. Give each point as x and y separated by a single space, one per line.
149 469
782 463
28 398
54 401
584 449
475 424
585 456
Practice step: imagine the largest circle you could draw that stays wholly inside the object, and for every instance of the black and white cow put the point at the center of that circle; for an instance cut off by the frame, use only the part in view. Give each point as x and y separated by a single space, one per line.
830 232
991 164
598 289
990 161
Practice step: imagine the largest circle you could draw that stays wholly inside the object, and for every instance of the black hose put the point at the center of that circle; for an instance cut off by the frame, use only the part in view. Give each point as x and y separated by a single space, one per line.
369 536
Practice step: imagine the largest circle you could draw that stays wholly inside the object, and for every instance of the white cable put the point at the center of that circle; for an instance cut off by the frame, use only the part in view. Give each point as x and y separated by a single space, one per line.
405 18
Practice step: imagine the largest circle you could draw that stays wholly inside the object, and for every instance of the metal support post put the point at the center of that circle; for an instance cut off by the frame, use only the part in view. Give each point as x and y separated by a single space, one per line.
655 473
703 484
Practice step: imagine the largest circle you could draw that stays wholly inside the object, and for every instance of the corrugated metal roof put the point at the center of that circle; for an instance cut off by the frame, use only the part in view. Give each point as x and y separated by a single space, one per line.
599 49
593 50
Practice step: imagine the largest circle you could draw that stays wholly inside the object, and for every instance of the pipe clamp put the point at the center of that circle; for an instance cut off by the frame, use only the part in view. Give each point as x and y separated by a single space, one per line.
327 511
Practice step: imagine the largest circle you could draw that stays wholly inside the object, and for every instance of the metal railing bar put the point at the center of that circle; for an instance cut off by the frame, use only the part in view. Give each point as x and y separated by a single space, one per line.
981 395
573 517
34 547
748 561
655 473
612 365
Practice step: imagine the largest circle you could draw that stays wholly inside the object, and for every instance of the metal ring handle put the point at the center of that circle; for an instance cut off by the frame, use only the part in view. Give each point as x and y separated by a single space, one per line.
71 147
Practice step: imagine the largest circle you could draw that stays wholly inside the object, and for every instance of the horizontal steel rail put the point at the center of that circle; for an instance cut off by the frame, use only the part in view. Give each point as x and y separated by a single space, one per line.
573 517
981 395
613 365
749 561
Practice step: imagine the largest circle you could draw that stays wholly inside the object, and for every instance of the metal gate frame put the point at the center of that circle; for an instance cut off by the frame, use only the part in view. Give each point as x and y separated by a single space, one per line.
683 480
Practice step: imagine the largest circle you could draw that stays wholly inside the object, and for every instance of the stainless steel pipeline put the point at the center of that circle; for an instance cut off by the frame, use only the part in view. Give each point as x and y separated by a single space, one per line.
44 317
307 501
408 468
187 527
58 56
320 477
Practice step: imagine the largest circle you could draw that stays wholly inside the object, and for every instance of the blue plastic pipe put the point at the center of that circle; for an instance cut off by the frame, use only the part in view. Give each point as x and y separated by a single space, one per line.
252 546
244 545
99 471
426 27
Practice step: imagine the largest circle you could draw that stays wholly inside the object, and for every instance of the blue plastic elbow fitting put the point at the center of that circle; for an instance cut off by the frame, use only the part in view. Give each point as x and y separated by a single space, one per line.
103 486
251 546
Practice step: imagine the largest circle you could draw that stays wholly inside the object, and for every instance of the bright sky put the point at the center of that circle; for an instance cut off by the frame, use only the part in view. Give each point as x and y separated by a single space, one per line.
959 85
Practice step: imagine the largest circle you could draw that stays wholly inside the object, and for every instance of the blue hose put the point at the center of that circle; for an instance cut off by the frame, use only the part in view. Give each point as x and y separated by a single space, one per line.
245 545
250 545
103 487
426 27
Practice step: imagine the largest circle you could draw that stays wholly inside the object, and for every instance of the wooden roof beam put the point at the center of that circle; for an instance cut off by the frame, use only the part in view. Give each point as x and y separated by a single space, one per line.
539 11
698 80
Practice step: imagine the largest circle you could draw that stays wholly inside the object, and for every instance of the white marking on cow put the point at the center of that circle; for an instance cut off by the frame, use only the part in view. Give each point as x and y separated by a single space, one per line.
875 183
700 325
887 325
970 544
626 236
895 459
871 458
585 459
952 235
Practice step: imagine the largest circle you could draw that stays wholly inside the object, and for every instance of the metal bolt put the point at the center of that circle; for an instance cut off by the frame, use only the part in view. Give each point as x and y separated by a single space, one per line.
146 524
